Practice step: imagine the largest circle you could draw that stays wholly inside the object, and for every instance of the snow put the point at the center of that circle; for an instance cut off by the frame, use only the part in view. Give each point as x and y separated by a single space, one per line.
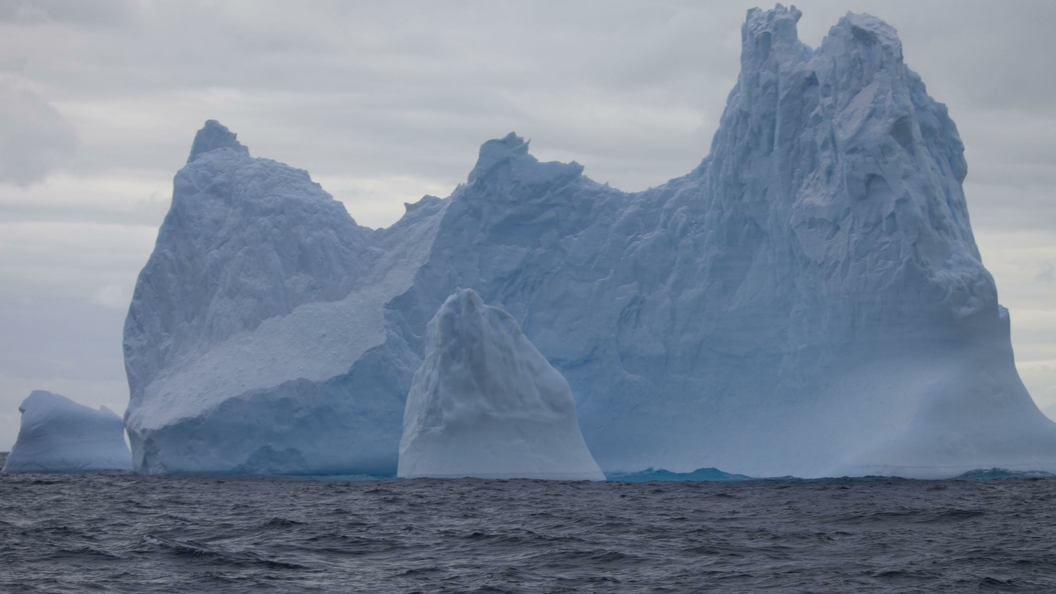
59 435
486 404
808 301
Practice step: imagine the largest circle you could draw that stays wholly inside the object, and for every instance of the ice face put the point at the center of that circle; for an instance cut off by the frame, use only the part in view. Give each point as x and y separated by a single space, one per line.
808 301
486 404
59 435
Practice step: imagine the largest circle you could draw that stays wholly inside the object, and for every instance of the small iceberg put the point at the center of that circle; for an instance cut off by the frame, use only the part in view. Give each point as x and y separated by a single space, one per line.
59 435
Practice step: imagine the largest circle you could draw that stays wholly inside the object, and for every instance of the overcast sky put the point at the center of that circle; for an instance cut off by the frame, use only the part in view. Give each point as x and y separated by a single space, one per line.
385 102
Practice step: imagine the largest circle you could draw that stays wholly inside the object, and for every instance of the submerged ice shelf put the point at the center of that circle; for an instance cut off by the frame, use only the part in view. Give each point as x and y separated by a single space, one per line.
808 301
59 435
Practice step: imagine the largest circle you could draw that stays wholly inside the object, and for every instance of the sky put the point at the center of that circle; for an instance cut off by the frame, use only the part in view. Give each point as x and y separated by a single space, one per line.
386 102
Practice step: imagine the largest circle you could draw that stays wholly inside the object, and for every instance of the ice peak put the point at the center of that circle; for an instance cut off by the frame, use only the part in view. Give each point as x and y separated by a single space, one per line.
866 33
43 398
465 300
507 161
765 30
777 19
494 152
462 299
464 312
213 136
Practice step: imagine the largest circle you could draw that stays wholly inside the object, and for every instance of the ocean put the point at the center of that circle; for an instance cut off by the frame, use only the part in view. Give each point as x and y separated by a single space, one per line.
126 533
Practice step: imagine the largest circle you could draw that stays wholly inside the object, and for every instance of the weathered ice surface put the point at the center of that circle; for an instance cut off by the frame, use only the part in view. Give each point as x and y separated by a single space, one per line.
59 435
808 301
486 404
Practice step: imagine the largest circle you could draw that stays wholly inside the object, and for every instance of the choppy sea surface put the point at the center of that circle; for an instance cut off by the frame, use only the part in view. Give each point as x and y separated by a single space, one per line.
124 533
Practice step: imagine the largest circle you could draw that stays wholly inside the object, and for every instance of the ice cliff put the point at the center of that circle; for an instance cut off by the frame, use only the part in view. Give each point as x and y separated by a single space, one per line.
808 301
59 435
486 404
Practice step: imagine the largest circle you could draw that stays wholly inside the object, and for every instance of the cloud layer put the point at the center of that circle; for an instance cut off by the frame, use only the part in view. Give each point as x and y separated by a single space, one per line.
34 137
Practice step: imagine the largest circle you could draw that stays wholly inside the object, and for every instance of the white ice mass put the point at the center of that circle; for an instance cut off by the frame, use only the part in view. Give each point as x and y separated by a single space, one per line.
59 435
808 301
486 404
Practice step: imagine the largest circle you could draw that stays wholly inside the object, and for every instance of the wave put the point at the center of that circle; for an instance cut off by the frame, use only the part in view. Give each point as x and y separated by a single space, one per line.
197 549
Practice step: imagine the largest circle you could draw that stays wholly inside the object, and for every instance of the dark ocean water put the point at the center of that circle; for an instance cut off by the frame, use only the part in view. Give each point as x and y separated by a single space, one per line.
122 533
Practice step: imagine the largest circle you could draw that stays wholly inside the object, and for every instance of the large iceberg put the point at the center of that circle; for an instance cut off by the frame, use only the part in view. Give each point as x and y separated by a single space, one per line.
808 301
59 435
486 404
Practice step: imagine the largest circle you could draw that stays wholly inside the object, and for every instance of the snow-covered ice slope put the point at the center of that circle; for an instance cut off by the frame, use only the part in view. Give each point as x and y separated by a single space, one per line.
486 404
808 301
59 435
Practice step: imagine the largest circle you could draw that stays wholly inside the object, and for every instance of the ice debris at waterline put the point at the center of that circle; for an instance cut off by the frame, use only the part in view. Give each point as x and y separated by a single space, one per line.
59 435
808 301
486 404
659 474
1000 473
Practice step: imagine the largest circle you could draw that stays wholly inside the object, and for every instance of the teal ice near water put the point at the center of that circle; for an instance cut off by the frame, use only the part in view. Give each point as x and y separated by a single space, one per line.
809 301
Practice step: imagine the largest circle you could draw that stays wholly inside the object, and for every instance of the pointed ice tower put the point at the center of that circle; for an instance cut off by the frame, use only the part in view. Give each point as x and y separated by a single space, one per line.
486 404
59 435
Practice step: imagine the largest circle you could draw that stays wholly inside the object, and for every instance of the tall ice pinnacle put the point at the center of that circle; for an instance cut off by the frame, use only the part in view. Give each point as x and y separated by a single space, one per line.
486 404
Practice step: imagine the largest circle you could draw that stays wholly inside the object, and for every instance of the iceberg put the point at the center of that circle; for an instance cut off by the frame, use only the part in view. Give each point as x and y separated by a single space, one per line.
486 404
59 435
808 301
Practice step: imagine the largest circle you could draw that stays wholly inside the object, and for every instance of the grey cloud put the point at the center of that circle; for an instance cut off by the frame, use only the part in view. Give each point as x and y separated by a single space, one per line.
1041 382
84 12
149 212
34 137
1047 273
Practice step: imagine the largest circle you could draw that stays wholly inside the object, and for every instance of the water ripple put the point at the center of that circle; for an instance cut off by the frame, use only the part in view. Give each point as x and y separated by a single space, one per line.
124 533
